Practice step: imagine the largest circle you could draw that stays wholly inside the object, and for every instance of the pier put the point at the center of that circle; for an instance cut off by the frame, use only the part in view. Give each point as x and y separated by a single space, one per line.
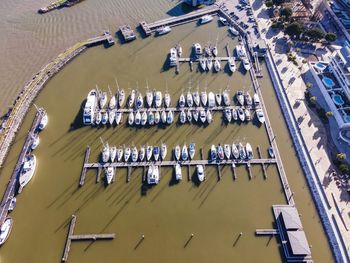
127 33
83 237
266 232
12 184
83 171
105 37
148 29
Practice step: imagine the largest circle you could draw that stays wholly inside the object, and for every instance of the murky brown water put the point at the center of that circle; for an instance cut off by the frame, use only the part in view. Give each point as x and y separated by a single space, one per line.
216 212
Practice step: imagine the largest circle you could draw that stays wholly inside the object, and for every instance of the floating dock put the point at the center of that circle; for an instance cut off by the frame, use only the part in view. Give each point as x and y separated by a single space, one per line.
106 37
83 237
12 184
127 33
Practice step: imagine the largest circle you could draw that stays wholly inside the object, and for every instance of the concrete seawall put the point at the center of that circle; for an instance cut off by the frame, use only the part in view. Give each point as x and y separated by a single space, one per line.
334 237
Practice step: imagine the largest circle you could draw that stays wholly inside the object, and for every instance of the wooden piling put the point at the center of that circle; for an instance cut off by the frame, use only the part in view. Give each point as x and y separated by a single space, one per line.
249 171
98 176
129 174
218 172
188 173
83 171
234 171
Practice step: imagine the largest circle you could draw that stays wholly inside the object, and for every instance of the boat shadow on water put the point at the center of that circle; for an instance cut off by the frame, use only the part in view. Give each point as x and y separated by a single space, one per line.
181 9
78 120
166 64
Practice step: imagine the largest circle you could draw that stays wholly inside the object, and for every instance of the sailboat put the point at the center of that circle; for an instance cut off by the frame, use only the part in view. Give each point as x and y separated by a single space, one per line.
163 117
235 152
204 98
184 153
163 151
242 153
240 97
127 153
248 99
157 99
143 118
231 64
112 102
131 99
249 151
189 116
109 173
105 118
103 99
209 64
177 152
218 99
138 118
156 117
241 114
170 117
182 117
234 114
227 151
217 65
142 153
182 101
167 100
189 99
195 115
203 64
211 100
220 152
228 114
139 100
149 98
192 150
113 153
226 98
213 153
202 116
121 97
111 116
131 118
149 152
134 154
196 98
156 153
209 116
178 173
98 118
105 154
120 153
150 118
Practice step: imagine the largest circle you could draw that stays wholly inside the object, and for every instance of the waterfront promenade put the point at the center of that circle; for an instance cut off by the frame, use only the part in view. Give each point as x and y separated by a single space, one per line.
327 195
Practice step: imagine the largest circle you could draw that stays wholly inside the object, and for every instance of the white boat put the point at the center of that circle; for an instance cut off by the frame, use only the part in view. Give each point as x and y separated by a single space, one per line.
226 98
249 151
189 99
103 99
241 114
167 100
163 151
223 20
228 114
131 99
36 141
121 97
156 117
213 153
202 116
200 172
142 153
209 62
248 99
177 152
256 100
206 19
184 153
12 204
5 230
240 50
271 152
105 153
153 175
179 50
163 30
139 101
89 109
247 115
204 98
211 100
120 153
138 118
149 98
189 116
218 99
182 117
157 99
134 154
209 116
235 152
242 153
182 101
105 118
27 171
173 53
233 31
197 49
98 118
149 152
196 98
111 117
231 64
203 64
113 153
43 122
131 118
163 117
150 118
207 51
214 51
217 65
234 115
195 115
221 154
260 115
112 103
246 64
156 153
240 97
170 117
127 153
109 173
192 150
227 151
178 172
143 118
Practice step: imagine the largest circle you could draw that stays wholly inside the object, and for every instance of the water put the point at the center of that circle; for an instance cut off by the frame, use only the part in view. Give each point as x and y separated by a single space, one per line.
216 212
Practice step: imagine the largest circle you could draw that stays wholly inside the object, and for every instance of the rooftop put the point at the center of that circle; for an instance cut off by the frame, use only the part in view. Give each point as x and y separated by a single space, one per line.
298 243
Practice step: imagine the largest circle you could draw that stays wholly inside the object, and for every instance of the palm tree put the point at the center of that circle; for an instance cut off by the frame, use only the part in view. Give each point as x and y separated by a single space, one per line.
341 156
329 114
313 99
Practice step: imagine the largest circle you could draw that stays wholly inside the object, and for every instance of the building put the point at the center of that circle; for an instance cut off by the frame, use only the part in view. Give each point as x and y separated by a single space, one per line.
340 67
199 2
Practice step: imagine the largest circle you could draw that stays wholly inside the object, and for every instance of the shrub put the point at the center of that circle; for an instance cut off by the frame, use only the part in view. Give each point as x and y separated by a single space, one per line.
341 156
329 114
308 85
294 29
330 37
343 167
269 4
315 34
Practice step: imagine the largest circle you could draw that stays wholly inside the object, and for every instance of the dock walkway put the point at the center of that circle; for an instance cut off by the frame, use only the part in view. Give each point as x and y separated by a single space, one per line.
11 186
105 37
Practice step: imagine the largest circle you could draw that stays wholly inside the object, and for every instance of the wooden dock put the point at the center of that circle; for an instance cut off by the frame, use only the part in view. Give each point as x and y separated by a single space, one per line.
149 28
83 237
105 37
84 169
265 232
12 184
127 33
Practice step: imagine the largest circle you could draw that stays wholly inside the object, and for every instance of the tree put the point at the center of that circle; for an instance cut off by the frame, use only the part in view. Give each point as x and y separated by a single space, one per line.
286 12
315 34
269 4
341 157
330 37
277 2
343 168
329 114
294 29
308 85
313 99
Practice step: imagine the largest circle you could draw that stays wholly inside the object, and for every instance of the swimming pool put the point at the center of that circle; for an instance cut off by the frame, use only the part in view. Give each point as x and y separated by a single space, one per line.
320 66
328 82
338 100
347 118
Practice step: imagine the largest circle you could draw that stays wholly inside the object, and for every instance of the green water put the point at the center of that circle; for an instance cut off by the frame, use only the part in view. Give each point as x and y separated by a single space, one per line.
215 212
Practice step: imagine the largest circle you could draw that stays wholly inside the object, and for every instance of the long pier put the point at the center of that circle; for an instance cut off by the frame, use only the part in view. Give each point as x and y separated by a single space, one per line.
105 37
83 237
11 186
